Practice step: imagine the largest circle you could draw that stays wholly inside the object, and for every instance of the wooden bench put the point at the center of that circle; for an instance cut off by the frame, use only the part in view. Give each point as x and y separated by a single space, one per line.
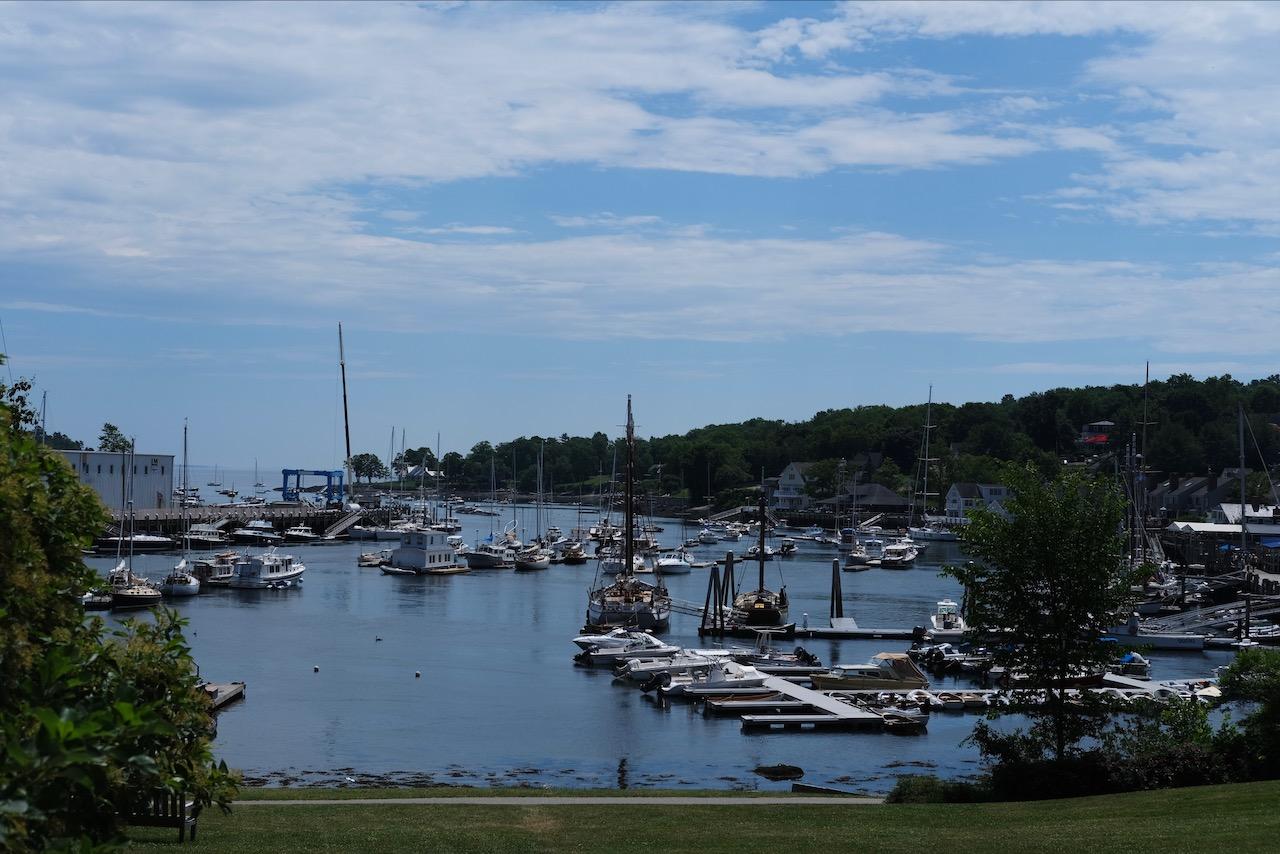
164 809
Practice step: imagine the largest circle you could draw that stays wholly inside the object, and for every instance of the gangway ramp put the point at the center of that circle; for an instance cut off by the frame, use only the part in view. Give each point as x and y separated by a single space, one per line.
344 524
829 712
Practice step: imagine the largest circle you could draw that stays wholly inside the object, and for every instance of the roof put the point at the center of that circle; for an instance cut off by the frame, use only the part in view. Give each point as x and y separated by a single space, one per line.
1101 424
1220 528
800 467
967 489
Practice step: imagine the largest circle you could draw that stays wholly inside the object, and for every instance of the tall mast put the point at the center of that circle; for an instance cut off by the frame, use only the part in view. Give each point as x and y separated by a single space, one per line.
923 495
184 488
346 421
760 586
628 521
1243 532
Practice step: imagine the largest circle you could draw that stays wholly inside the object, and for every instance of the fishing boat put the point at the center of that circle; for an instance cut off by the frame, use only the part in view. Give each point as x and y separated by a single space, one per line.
762 607
948 618
626 600
269 570
898 556
891 670
857 559
490 555
787 546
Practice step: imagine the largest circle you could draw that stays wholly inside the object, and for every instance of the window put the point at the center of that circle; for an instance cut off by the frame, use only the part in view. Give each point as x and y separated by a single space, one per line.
161 469
144 469
111 469
99 468
86 468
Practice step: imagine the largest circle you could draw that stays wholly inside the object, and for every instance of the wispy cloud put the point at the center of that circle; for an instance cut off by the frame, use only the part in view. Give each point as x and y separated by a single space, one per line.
605 220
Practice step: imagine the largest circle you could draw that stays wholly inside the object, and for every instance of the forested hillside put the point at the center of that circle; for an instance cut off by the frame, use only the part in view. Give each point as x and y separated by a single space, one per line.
1192 429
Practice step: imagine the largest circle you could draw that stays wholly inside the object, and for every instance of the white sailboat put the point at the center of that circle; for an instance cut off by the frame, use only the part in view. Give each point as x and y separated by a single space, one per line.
181 582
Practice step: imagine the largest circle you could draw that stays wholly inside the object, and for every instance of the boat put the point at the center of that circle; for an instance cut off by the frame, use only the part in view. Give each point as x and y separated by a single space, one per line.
215 571
857 559
382 557
892 670
762 607
137 593
573 553
898 556
134 543
644 669
814 531
927 533
716 676
300 534
708 537
787 546
180 582
947 619
269 570
490 555
617 649
1131 664
673 563
626 600
257 532
204 536
426 552
532 558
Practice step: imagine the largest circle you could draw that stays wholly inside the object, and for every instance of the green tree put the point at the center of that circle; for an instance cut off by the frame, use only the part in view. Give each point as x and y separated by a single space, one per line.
368 466
1254 677
1049 578
87 719
111 439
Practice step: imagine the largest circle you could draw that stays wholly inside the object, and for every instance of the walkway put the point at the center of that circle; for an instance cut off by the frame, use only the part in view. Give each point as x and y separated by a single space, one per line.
560 801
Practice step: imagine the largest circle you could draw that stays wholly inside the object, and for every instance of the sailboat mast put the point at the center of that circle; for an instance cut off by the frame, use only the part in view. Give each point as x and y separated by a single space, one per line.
628 520
928 425
1243 532
760 586
184 488
346 420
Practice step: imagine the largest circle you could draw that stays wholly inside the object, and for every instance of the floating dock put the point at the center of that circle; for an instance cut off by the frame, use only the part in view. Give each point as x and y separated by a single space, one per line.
223 693
829 713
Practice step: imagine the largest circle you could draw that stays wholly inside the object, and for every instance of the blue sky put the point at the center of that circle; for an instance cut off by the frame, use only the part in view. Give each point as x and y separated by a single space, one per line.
522 212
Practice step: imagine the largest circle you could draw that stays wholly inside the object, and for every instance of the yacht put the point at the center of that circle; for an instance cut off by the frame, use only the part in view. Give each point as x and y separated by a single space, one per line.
426 553
135 543
300 534
217 570
205 537
898 556
624 648
266 570
628 601
258 532
674 563
886 671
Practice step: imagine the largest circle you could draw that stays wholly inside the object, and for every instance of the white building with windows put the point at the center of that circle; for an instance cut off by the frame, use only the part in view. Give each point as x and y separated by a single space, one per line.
105 472
790 494
963 497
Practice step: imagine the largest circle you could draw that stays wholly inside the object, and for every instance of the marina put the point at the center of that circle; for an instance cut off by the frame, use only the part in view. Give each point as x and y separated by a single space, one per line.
338 688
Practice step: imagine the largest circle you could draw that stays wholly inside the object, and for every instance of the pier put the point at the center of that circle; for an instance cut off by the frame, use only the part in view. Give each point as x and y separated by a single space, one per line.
828 713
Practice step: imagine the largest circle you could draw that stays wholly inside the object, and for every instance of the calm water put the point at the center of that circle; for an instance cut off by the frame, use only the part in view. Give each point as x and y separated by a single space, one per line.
500 701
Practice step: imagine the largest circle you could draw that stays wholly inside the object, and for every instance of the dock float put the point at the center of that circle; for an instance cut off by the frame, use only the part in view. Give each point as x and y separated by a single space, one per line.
223 693
829 712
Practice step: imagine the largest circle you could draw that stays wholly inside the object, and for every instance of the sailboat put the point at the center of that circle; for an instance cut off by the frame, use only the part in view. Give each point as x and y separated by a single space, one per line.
626 600
181 582
217 481
128 590
926 531
536 555
762 606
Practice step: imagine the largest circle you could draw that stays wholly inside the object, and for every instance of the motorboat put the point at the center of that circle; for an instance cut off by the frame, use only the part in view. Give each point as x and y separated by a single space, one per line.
787 546
135 543
490 556
948 619
638 645
180 582
268 570
215 571
426 552
754 552
898 556
1131 664
644 669
708 537
931 533
857 560
892 670
674 563
257 532
614 638
716 677
300 534
456 542
205 537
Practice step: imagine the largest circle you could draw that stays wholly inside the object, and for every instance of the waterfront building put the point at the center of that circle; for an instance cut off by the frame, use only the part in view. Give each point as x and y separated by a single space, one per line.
104 472
965 496
790 494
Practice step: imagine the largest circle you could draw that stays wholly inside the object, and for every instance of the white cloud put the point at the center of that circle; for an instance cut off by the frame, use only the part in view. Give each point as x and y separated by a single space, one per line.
605 220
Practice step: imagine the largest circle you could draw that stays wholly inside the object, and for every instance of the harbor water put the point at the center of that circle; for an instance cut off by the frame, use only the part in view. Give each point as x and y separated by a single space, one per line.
499 700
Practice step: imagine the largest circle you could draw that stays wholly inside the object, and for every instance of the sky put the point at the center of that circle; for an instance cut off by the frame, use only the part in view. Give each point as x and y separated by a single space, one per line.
520 213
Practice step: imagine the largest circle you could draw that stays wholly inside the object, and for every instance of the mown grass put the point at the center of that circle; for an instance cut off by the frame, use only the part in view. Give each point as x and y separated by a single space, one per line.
1241 818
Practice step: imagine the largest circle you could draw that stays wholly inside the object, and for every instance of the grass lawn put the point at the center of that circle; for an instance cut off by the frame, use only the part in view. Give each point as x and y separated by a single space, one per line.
1238 818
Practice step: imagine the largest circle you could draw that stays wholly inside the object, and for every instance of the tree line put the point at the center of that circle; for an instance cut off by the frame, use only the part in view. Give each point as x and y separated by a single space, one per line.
1190 429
